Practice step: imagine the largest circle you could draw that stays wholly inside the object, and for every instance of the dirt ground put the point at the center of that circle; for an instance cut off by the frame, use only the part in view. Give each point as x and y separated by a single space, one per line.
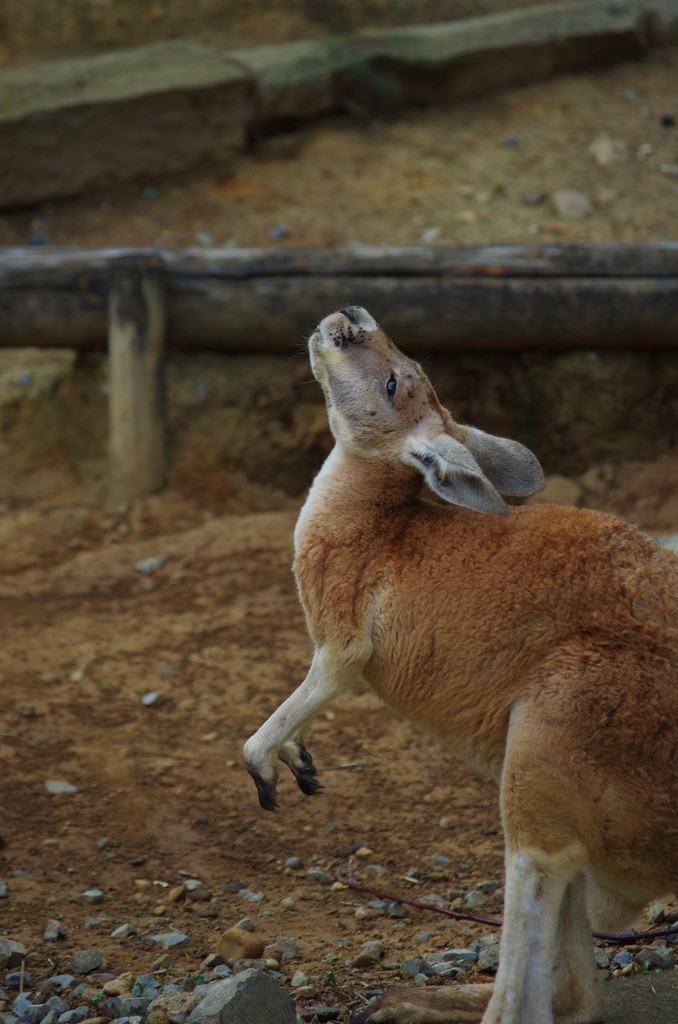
475 173
217 629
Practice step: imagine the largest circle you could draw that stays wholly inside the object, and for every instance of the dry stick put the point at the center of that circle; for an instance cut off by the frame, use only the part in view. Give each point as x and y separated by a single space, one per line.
459 915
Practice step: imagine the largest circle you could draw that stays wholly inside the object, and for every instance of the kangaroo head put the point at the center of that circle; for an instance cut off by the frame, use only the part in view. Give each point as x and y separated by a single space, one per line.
381 404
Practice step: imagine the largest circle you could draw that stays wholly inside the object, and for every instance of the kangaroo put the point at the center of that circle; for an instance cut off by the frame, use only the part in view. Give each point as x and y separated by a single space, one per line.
538 643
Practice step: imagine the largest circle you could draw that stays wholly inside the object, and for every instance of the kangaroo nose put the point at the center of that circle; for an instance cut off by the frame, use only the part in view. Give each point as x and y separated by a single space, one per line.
351 313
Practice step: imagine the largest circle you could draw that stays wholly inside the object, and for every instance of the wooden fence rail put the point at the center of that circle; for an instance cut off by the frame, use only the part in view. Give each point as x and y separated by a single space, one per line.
494 298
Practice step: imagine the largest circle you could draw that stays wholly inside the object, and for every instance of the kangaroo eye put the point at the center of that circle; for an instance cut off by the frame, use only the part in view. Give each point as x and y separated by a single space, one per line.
391 386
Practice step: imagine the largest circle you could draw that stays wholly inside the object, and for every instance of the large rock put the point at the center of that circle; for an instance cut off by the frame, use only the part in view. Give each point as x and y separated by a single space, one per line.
70 124
11 953
243 999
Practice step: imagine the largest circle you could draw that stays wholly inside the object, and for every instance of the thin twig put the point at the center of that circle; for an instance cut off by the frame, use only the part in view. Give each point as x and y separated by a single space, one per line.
459 915
349 764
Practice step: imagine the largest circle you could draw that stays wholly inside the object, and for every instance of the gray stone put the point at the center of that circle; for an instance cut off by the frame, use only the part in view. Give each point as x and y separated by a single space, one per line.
488 959
18 979
132 1006
322 1013
91 896
148 985
474 899
457 957
4 889
570 203
243 999
294 863
246 923
318 875
411 968
374 949
75 1016
27 1011
58 1005
169 940
176 1005
152 699
252 897
399 910
440 858
287 948
658 958
54 930
11 953
84 961
89 120
602 959
56 785
62 981
622 959
124 931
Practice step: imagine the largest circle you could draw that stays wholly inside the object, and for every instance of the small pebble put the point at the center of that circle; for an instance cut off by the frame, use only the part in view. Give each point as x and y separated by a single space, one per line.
91 896
246 924
15 979
124 931
251 896
4 890
57 786
298 979
278 232
288 903
151 564
152 699
54 930
84 961
320 876
570 203
294 863
169 940
474 899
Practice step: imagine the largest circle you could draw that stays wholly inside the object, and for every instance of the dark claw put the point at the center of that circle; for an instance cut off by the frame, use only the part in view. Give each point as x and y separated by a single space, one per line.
306 776
308 784
265 791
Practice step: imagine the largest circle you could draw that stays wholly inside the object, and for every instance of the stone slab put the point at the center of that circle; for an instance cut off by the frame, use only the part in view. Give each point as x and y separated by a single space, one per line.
75 124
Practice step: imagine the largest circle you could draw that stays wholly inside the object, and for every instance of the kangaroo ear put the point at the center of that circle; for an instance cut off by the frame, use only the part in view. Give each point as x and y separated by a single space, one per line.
510 466
452 472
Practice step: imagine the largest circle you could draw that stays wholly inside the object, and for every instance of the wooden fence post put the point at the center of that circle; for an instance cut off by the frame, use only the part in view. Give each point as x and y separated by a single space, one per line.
136 345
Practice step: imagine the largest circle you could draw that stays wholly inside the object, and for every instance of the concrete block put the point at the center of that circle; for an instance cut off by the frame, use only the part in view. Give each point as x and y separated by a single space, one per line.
73 124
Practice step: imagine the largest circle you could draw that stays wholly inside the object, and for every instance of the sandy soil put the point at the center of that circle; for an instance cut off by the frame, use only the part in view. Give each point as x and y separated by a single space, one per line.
217 629
464 174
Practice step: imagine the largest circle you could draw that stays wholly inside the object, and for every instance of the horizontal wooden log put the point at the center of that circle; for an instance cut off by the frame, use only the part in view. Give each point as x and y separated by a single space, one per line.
436 313
87 270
